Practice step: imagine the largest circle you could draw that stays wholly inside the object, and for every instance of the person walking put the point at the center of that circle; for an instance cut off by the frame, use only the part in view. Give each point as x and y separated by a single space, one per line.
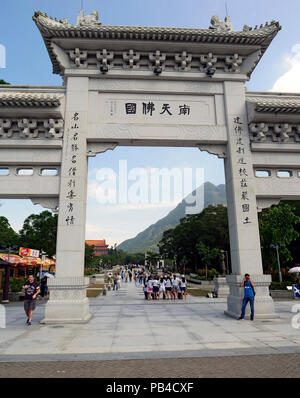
149 287
183 286
115 279
155 284
43 286
119 281
175 282
249 294
162 287
145 289
168 284
31 289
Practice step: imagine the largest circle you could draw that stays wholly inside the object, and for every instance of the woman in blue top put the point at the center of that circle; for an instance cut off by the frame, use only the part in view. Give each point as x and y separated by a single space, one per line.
248 296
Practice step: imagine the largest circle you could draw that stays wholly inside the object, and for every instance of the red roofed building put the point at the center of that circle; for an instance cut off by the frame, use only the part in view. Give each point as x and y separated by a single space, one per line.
100 246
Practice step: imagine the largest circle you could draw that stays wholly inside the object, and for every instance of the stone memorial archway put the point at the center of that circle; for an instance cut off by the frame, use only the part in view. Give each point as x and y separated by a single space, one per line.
157 87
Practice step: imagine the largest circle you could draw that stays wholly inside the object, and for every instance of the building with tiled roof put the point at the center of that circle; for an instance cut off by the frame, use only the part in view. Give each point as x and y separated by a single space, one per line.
100 246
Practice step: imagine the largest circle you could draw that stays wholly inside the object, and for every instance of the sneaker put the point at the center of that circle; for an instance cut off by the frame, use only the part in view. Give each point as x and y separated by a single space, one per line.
252 319
29 323
27 320
240 318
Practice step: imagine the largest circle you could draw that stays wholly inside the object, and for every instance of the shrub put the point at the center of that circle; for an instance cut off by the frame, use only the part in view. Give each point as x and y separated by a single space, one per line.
88 272
211 273
280 285
16 284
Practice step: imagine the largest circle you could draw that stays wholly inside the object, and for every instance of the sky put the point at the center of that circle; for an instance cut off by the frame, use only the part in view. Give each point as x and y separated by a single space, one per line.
27 62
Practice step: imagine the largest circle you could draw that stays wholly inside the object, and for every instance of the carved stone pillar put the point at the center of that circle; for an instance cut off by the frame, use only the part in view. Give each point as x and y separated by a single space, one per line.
242 209
68 302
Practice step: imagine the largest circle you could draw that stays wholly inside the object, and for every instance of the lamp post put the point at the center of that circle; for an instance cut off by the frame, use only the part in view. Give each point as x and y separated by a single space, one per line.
278 260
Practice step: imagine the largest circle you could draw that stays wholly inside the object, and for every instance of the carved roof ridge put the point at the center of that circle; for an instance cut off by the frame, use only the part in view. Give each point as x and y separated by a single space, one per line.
29 99
47 26
275 103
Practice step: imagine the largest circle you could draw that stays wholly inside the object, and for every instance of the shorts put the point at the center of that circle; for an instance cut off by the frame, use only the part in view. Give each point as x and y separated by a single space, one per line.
29 305
183 289
175 288
155 289
168 289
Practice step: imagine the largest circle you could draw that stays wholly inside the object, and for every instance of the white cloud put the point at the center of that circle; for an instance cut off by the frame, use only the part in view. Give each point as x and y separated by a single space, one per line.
290 81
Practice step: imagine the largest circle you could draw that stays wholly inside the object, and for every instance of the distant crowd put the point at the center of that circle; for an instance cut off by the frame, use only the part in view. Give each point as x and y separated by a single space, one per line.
156 287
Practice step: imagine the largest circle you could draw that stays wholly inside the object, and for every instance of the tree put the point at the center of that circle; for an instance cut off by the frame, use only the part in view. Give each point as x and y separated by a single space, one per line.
88 256
39 232
8 237
210 226
277 228
207 254
152 257
3 82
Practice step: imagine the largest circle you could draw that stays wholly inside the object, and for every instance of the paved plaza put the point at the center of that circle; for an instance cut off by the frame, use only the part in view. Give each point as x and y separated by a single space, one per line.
125 326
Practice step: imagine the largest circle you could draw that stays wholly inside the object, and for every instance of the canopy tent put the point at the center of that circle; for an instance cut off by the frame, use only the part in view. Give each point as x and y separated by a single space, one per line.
15 260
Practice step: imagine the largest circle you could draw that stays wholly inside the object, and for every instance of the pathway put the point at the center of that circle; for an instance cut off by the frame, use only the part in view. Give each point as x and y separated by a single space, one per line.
125 326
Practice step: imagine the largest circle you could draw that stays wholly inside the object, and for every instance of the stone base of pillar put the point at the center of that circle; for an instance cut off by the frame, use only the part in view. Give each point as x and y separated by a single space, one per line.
221 286
68 302
263 304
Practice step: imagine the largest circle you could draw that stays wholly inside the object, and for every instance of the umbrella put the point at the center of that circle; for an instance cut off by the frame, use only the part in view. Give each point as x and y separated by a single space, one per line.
48 275
294 270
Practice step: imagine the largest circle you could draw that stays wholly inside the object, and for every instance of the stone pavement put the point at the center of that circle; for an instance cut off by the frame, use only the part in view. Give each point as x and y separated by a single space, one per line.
125 326
254 366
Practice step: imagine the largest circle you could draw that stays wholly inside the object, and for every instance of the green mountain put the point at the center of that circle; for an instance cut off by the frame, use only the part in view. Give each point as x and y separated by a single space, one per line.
148 239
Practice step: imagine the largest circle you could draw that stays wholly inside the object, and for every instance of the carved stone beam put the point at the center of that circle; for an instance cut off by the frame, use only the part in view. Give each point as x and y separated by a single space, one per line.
297 135
260 130
262 203
79 57
283 130
157 61
214 149
131 60
99 147
26 126
183 60
207 62
4 124
233 63
47 203
54 128
105 60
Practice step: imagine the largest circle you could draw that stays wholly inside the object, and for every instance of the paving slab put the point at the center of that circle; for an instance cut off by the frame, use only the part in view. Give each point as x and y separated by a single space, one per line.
125 326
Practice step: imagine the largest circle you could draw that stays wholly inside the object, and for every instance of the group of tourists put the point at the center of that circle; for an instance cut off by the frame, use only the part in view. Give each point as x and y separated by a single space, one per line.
125 275
168 287
155 287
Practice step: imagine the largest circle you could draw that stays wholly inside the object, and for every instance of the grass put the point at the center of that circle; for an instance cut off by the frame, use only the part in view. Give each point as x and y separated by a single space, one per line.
197 292
93 293
99 285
